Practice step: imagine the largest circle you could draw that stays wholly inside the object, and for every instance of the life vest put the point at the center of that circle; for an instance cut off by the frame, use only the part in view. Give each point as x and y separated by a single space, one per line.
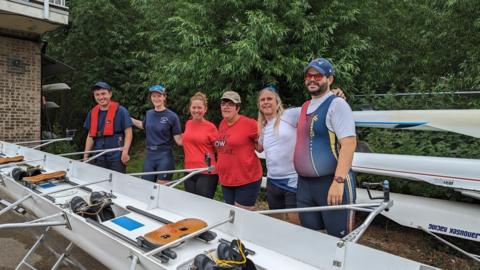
108 128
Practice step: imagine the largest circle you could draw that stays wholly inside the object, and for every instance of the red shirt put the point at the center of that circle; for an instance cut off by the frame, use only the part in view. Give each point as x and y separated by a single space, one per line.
198 140
237 162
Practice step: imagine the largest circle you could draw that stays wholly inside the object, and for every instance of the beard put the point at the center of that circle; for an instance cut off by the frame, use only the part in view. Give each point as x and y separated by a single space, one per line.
322 88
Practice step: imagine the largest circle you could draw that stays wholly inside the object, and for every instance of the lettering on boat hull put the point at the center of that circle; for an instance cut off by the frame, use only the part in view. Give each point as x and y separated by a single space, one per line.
453 231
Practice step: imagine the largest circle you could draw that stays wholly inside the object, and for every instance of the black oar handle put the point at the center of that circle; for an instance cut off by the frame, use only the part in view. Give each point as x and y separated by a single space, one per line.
208 160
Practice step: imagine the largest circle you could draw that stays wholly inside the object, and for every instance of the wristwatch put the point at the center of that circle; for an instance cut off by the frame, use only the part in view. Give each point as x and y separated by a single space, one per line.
339 179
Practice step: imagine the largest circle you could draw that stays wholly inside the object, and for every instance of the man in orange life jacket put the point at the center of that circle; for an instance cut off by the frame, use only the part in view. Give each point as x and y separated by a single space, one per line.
109 126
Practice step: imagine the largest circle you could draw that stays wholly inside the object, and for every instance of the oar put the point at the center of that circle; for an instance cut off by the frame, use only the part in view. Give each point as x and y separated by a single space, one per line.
465 122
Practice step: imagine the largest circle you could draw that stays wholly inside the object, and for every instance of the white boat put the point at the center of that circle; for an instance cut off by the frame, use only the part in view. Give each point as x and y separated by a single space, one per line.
465 122
275 244
431 215
459 173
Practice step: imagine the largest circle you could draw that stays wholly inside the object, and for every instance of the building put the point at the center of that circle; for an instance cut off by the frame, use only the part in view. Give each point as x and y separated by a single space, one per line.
22 23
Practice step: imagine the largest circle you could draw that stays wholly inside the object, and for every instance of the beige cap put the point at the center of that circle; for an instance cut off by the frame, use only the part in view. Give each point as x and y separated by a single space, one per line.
233 96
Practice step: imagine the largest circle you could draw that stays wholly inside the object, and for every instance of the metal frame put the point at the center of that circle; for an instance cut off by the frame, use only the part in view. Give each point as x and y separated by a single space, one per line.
61 257
31 250
45 142
355 235
88 152
135 261
19 201
39 222
102 153
174 183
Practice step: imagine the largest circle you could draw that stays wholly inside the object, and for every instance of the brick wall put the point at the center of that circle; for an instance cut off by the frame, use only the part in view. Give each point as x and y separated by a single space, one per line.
20 89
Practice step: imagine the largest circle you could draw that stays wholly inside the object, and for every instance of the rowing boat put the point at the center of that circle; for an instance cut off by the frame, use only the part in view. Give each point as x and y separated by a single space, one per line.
140 207
465 122
458 173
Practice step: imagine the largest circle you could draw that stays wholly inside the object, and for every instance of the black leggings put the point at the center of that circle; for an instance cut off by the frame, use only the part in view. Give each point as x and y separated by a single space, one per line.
114 165
202 184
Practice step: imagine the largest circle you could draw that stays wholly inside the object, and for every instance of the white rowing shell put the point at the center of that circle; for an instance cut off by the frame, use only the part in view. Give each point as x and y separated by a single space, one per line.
465 122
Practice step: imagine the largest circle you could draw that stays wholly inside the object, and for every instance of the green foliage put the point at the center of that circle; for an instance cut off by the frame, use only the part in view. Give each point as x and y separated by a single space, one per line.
217 47
376 47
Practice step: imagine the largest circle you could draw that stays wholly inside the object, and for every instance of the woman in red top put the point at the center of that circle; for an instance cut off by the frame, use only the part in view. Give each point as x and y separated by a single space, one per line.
239 168
198 141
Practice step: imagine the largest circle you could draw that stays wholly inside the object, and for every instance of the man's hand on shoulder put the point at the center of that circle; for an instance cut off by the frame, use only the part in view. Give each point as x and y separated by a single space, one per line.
339 92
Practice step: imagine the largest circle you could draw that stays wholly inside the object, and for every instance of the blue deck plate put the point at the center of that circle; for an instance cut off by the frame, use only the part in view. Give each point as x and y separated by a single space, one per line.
127 223
47 185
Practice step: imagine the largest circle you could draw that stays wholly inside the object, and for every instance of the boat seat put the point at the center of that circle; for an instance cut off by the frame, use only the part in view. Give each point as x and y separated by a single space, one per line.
45 176
5 160
173 231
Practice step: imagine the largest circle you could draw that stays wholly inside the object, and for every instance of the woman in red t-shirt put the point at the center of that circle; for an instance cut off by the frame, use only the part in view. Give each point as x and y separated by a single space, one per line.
198 141
238 167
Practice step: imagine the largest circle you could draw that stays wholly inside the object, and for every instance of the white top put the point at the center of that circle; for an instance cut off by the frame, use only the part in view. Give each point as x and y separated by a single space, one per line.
339 116
279 146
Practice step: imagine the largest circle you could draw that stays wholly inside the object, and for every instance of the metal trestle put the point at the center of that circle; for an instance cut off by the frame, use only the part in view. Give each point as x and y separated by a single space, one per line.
62 258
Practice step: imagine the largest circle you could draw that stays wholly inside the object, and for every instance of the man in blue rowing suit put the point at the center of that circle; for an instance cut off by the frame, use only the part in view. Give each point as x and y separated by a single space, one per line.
109 126
326 141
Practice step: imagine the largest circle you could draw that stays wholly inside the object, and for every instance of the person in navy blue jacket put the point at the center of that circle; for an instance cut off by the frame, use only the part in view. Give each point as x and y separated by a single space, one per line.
162 129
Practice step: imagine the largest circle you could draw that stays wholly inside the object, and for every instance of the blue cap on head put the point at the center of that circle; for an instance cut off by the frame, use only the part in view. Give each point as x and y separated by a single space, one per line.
271 88
101 85
157 88
321 65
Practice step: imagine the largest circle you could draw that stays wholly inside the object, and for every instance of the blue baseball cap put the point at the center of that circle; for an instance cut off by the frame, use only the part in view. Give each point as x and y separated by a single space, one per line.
321 65
271 88
157 88
101 85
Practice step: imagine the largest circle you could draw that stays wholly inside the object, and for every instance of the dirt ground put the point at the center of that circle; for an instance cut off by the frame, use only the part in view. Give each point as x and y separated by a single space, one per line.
416 245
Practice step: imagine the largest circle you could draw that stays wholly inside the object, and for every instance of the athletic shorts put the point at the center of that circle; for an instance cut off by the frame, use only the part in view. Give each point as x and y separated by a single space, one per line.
313 191
279 198
162 161
245 195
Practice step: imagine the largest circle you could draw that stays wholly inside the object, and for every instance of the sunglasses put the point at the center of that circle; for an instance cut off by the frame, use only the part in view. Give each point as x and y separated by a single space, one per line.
313 77
227 103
